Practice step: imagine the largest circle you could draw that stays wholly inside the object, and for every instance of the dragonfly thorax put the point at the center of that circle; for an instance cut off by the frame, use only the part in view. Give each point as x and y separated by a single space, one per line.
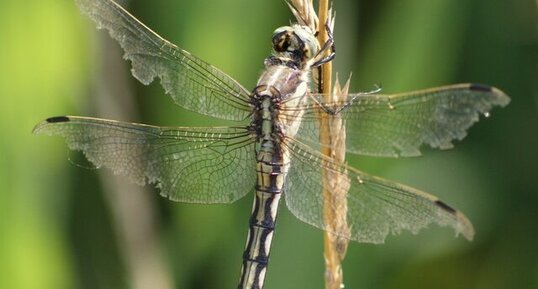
281 87
265 100
294 45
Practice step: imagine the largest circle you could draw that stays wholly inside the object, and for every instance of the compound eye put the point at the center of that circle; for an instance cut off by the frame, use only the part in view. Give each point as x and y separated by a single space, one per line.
281 41
297 42
309 43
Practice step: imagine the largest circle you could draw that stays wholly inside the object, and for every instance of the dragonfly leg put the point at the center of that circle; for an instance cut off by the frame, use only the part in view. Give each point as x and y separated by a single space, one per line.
319 59
336 109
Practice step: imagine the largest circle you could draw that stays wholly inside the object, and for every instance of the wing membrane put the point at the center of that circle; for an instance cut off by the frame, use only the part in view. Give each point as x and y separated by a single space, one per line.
375 207
191 82
399 124
194 165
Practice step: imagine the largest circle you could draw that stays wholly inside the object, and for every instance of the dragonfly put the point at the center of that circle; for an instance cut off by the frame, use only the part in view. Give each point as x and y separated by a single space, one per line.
274 150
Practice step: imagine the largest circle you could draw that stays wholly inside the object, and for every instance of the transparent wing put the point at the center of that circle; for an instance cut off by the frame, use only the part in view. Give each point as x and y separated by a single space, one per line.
375 207
399 124
191 82
193 165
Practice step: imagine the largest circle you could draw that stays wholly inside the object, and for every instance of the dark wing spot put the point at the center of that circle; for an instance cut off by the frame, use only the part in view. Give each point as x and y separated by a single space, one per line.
445 207
57 119
480 87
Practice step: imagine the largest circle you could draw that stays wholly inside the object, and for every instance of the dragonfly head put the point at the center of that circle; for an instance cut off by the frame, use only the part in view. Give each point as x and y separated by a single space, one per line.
296 43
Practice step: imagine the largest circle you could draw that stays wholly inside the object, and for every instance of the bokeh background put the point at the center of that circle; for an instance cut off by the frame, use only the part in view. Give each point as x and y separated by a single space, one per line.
64 224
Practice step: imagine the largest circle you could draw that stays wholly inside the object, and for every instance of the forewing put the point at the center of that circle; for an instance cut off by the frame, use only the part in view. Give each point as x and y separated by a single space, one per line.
399 124
193 165
191 82
375 207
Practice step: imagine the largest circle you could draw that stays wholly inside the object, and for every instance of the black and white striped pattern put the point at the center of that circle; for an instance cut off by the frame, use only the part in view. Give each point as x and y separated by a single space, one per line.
272 161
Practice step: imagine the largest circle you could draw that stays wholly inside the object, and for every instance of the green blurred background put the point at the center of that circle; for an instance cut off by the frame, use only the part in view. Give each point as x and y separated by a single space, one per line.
63 225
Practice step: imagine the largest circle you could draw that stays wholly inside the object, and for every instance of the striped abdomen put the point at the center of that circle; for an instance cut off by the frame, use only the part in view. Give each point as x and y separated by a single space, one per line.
270 179
276 86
